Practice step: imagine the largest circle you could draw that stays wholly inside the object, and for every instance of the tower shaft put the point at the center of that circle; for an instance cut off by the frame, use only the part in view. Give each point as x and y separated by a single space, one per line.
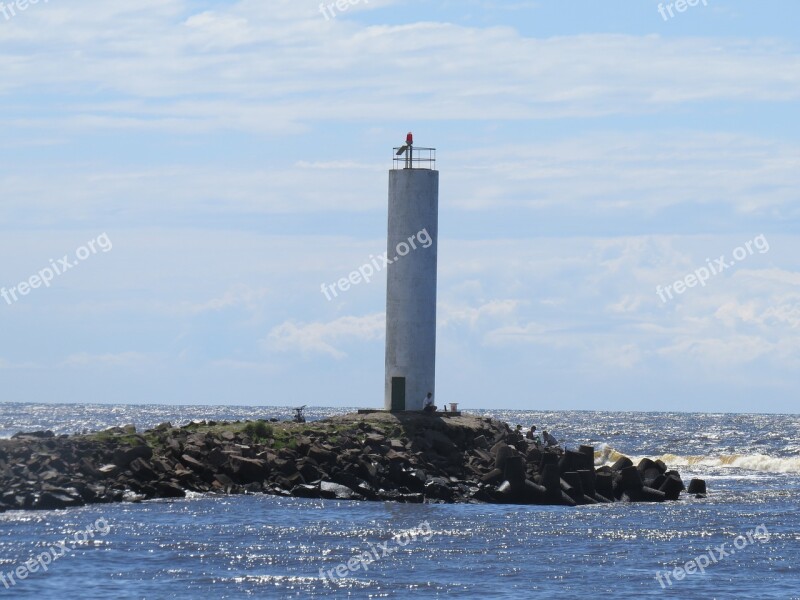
411 287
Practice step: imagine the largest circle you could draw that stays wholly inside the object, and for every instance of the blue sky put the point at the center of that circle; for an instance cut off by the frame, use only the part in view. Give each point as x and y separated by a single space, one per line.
235 154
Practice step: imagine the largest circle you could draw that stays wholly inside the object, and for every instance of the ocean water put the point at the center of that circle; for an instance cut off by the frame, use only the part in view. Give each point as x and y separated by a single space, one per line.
745 535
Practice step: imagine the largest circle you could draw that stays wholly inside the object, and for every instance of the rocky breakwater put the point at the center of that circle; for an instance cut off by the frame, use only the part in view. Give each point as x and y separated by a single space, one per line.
405 457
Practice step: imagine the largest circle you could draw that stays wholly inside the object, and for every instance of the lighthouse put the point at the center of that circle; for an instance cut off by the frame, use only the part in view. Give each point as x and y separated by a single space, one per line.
411 278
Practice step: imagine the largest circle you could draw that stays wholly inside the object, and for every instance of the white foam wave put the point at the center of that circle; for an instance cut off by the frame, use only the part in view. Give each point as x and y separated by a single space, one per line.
751 462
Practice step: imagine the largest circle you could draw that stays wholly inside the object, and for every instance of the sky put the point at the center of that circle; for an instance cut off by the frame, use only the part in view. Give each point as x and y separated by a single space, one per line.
204 168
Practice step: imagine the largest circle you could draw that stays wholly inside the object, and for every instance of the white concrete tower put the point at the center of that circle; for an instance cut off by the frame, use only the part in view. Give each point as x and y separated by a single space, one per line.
411 278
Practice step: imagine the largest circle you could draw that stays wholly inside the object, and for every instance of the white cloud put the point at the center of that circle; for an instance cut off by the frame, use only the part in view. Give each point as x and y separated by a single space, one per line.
449 315
240 296
7 365
325 338
275 67
631 175
629 179
728 352
189 192
243 365
112 360
529 333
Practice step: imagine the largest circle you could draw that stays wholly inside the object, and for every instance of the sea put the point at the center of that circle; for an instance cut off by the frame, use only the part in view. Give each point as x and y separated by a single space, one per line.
740 541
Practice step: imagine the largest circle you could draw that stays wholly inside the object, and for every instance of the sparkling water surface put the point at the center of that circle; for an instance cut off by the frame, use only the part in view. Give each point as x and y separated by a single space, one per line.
269 547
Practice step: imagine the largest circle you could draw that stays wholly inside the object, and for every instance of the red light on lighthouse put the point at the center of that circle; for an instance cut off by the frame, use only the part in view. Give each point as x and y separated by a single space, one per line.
410 138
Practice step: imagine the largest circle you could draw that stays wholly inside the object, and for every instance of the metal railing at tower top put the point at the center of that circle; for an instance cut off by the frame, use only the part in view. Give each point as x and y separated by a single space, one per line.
414 157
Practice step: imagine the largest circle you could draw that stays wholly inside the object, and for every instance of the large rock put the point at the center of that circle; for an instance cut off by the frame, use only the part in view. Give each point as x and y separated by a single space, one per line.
622 463
631 480
672 487
337 491
587 479
514 471
109 470
438 489
649 470
33 434
440 442
648 494
493 477
604 484
321 456
58 500
502 452
311 472
697 486
306 491
142 470
125 456
166 489
534 493
249 470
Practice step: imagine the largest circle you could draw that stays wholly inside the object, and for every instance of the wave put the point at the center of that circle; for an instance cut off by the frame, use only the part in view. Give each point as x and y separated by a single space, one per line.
751 462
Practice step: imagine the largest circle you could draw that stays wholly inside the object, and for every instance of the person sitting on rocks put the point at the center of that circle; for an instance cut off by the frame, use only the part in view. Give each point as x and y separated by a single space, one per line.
428 405
549 440
532 435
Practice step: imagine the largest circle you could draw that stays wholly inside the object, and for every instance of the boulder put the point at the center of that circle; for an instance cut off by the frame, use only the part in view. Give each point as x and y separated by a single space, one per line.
57 500
438 489
33 434
194 464
697 487
502 452
534 493
587 479
109 470
551 480
493 477
622 463
440 442
413 479
249 470
588 452
142 470
287 467
337 491
167 489
571 485
631 480
577 461
514 471
672 487
125 456
604 484
310 472
306 491
321 456
648 494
